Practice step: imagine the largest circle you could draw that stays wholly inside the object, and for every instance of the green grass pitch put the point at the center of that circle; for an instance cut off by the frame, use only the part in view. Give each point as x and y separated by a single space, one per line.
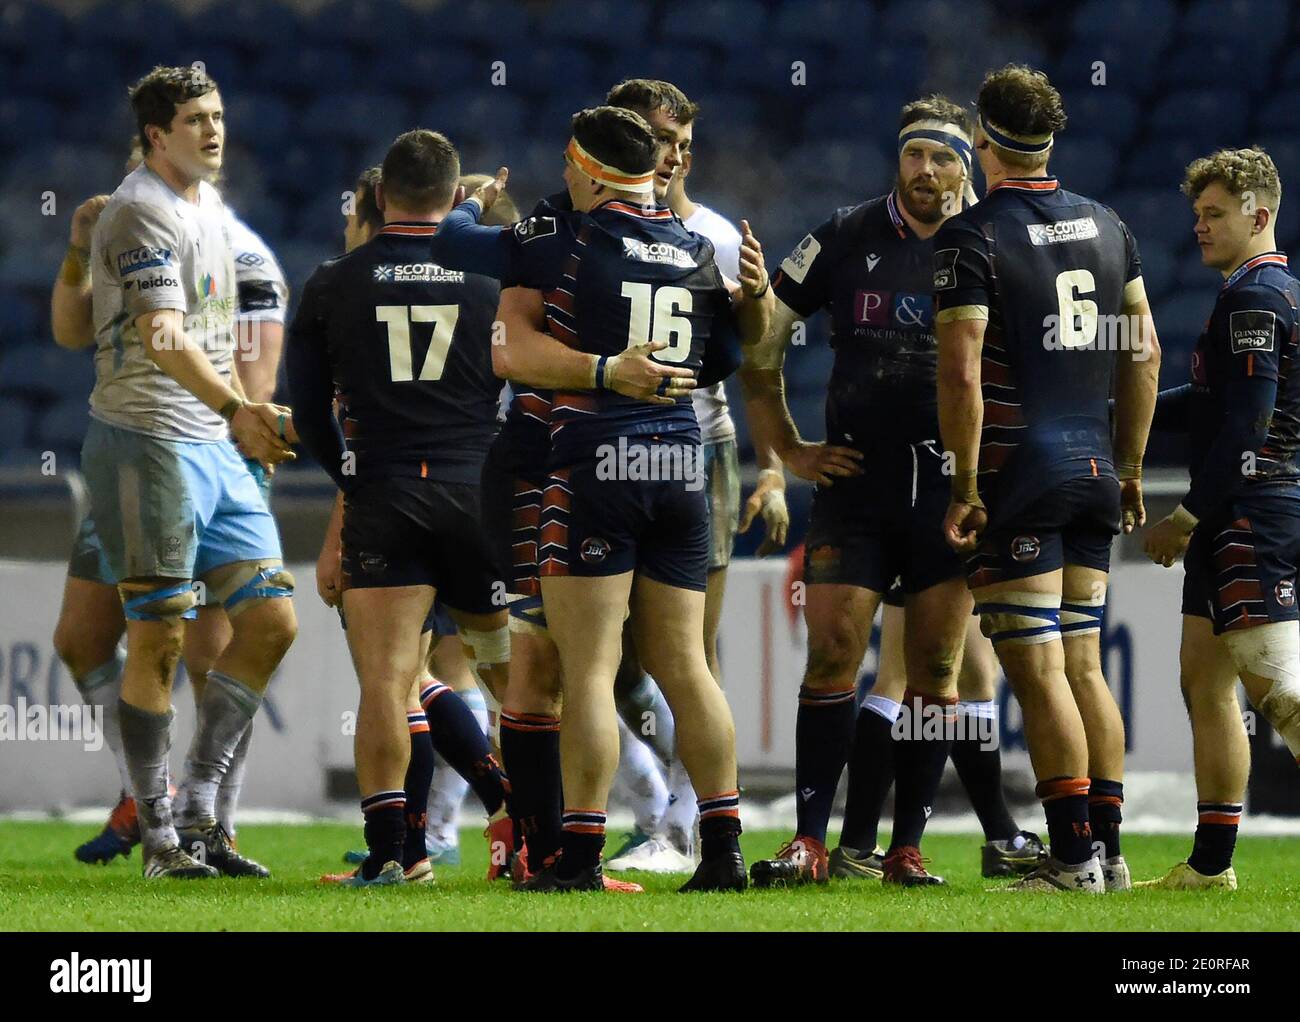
43 888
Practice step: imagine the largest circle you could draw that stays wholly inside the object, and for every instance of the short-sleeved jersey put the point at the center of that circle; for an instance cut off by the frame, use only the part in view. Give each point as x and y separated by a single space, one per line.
616 276
1252 332
711 407
263 293
873 275
410 351
152 250
1052 272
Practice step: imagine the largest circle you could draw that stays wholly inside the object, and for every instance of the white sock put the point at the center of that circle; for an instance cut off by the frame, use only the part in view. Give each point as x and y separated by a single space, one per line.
446 795
639 781
102 687
679 820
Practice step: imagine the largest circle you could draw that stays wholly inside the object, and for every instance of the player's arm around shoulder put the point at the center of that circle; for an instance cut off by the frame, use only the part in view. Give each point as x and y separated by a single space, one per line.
528 355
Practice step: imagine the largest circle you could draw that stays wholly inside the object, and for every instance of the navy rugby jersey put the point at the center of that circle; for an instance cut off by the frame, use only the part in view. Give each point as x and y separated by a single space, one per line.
406 346
618 275
1245 395
1053 271
874 275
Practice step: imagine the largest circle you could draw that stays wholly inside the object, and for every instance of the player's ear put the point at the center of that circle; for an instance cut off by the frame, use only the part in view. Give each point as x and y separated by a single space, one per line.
379 195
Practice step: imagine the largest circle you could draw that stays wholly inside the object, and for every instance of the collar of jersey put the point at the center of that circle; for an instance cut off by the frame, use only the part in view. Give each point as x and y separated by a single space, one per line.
619 206
1027 184
900 225
410 229
1254 263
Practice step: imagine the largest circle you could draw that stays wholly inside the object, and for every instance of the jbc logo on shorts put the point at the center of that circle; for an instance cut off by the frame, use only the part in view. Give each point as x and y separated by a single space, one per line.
1285 592
594 550
1025 548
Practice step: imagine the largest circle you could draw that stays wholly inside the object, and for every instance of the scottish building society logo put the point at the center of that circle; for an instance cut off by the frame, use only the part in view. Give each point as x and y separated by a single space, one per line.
415 273
656 252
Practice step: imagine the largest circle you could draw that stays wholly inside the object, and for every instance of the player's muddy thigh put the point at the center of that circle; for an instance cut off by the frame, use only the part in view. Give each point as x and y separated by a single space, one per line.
534 685
933 632
585 616
1220 748
891 668
1102 721
495 676
977 678
90 625
839 628
669 626
384 639
1036 671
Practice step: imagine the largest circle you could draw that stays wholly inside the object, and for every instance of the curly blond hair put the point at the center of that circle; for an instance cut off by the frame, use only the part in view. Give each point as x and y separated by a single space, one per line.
1239 171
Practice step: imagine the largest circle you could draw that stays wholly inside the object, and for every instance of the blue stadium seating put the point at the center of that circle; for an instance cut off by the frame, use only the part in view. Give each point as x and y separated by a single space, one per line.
15 420
63 425
314 93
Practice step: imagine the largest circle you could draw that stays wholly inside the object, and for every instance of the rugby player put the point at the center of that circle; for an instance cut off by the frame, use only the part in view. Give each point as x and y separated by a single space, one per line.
1031 284
880 492
1238 527
669 847
171 498
419 410
91 623
634 539
453 730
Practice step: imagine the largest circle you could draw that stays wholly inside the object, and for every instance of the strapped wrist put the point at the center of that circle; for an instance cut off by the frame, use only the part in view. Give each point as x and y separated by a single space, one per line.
231 408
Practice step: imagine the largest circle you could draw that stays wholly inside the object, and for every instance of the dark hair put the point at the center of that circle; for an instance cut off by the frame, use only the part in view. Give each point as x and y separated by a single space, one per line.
935 107
618 137
504 212
155 97
368 214
646 95
1024 102
420 170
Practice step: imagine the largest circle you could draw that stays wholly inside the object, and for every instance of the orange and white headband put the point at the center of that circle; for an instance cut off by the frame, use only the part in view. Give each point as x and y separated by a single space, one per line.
603 173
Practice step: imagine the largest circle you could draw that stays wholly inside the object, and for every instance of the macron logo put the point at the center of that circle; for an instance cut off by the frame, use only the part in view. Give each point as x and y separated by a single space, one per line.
132 976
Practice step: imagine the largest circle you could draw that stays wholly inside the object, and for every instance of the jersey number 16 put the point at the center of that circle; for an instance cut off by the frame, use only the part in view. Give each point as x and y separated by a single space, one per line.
660 307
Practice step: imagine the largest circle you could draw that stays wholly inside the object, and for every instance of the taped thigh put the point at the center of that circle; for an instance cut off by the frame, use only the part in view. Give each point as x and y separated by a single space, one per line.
1272 651
252 580
1021 618
166 600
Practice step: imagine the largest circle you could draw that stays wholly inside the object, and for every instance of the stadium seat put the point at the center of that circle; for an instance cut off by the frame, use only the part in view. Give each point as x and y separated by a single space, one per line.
501 23
63 425
1280 113
1159 160
44 371
304 71
259 120
15 420
1086 165
1256 24
850 23
1208 62
935 20
1104 112
425 71
854 114
124 23
1199 113
355 117
19 317
495 117
23 118
1104 63
32 28
1194 275
1180 317
691 67
728 24
302 169
345 22
62 75
605 23
897 69
247 23
1160 213
1141 26
1159 268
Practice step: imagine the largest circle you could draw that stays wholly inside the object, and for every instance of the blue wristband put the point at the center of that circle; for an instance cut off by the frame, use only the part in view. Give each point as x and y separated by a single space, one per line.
600 371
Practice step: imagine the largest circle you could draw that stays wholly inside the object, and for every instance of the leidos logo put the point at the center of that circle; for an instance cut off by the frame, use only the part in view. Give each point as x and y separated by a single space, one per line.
132 976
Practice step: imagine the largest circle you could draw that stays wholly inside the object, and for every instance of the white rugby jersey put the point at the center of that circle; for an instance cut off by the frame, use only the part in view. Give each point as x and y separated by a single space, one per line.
263 293
154 250
710 403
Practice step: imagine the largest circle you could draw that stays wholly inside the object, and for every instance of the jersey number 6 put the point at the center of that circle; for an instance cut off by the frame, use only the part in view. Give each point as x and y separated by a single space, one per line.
662 306
1071 286
398 320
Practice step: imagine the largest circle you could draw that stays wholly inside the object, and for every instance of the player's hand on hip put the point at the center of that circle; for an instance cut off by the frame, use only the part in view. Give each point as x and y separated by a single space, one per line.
753 269
768 499
963 524
255 430
1133 514
822 463
633 373
84 219
1166 542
